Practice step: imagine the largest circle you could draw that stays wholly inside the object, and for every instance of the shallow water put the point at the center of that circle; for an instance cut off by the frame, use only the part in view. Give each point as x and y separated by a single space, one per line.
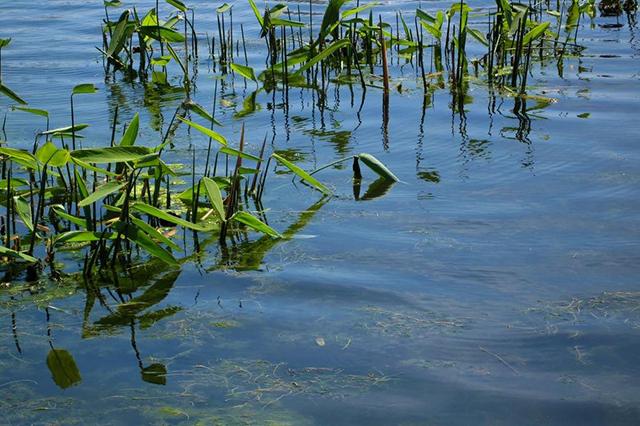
496 284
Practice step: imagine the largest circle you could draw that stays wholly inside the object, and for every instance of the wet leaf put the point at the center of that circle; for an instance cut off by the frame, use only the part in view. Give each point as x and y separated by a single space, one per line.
155 374
63 368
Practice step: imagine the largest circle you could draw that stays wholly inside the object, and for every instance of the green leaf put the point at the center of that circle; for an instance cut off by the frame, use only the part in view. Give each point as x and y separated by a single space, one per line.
63 368
114 154
113 3
322 55
230 151
74 237
535 33
4 42
24 211
208 132
50 155
87 89
178 5
376 165
65 130
215 197
17 255
93 168
163 215
198 109
35 111
161 60
101 192
131 133
154 233
302 174
120 35
224 8
176 58
60 211
254 223
11 94
478 36
256 12
136 235
161 33
356 10
23 157
246 72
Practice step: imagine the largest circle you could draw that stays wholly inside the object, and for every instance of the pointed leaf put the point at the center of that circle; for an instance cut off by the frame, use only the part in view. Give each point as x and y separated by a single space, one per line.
302 174
136 235
131 133
208 132
114 154
255 223
215 197
101 192
376 165
24 211
167 217
245 71
11 94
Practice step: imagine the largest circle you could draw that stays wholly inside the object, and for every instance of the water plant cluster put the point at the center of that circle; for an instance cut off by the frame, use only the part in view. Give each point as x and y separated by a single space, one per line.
114 200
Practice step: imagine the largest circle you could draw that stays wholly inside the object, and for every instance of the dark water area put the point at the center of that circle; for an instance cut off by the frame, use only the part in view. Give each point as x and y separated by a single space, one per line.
497 283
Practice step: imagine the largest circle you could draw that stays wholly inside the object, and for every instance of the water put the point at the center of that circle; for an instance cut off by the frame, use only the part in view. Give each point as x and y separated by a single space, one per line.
496 284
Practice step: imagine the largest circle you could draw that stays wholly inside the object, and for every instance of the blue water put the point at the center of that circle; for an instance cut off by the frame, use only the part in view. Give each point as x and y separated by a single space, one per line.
496 284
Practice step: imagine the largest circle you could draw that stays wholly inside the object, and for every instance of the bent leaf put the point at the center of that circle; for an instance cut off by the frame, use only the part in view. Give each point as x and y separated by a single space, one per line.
376 165
255 223
11 94
208 132
302 174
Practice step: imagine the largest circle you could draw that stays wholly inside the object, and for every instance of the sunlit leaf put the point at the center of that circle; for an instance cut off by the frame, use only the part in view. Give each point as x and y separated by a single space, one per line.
377 166
245 71
84 89
302 174
255 223
114 154
11 94
101 192
208 132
